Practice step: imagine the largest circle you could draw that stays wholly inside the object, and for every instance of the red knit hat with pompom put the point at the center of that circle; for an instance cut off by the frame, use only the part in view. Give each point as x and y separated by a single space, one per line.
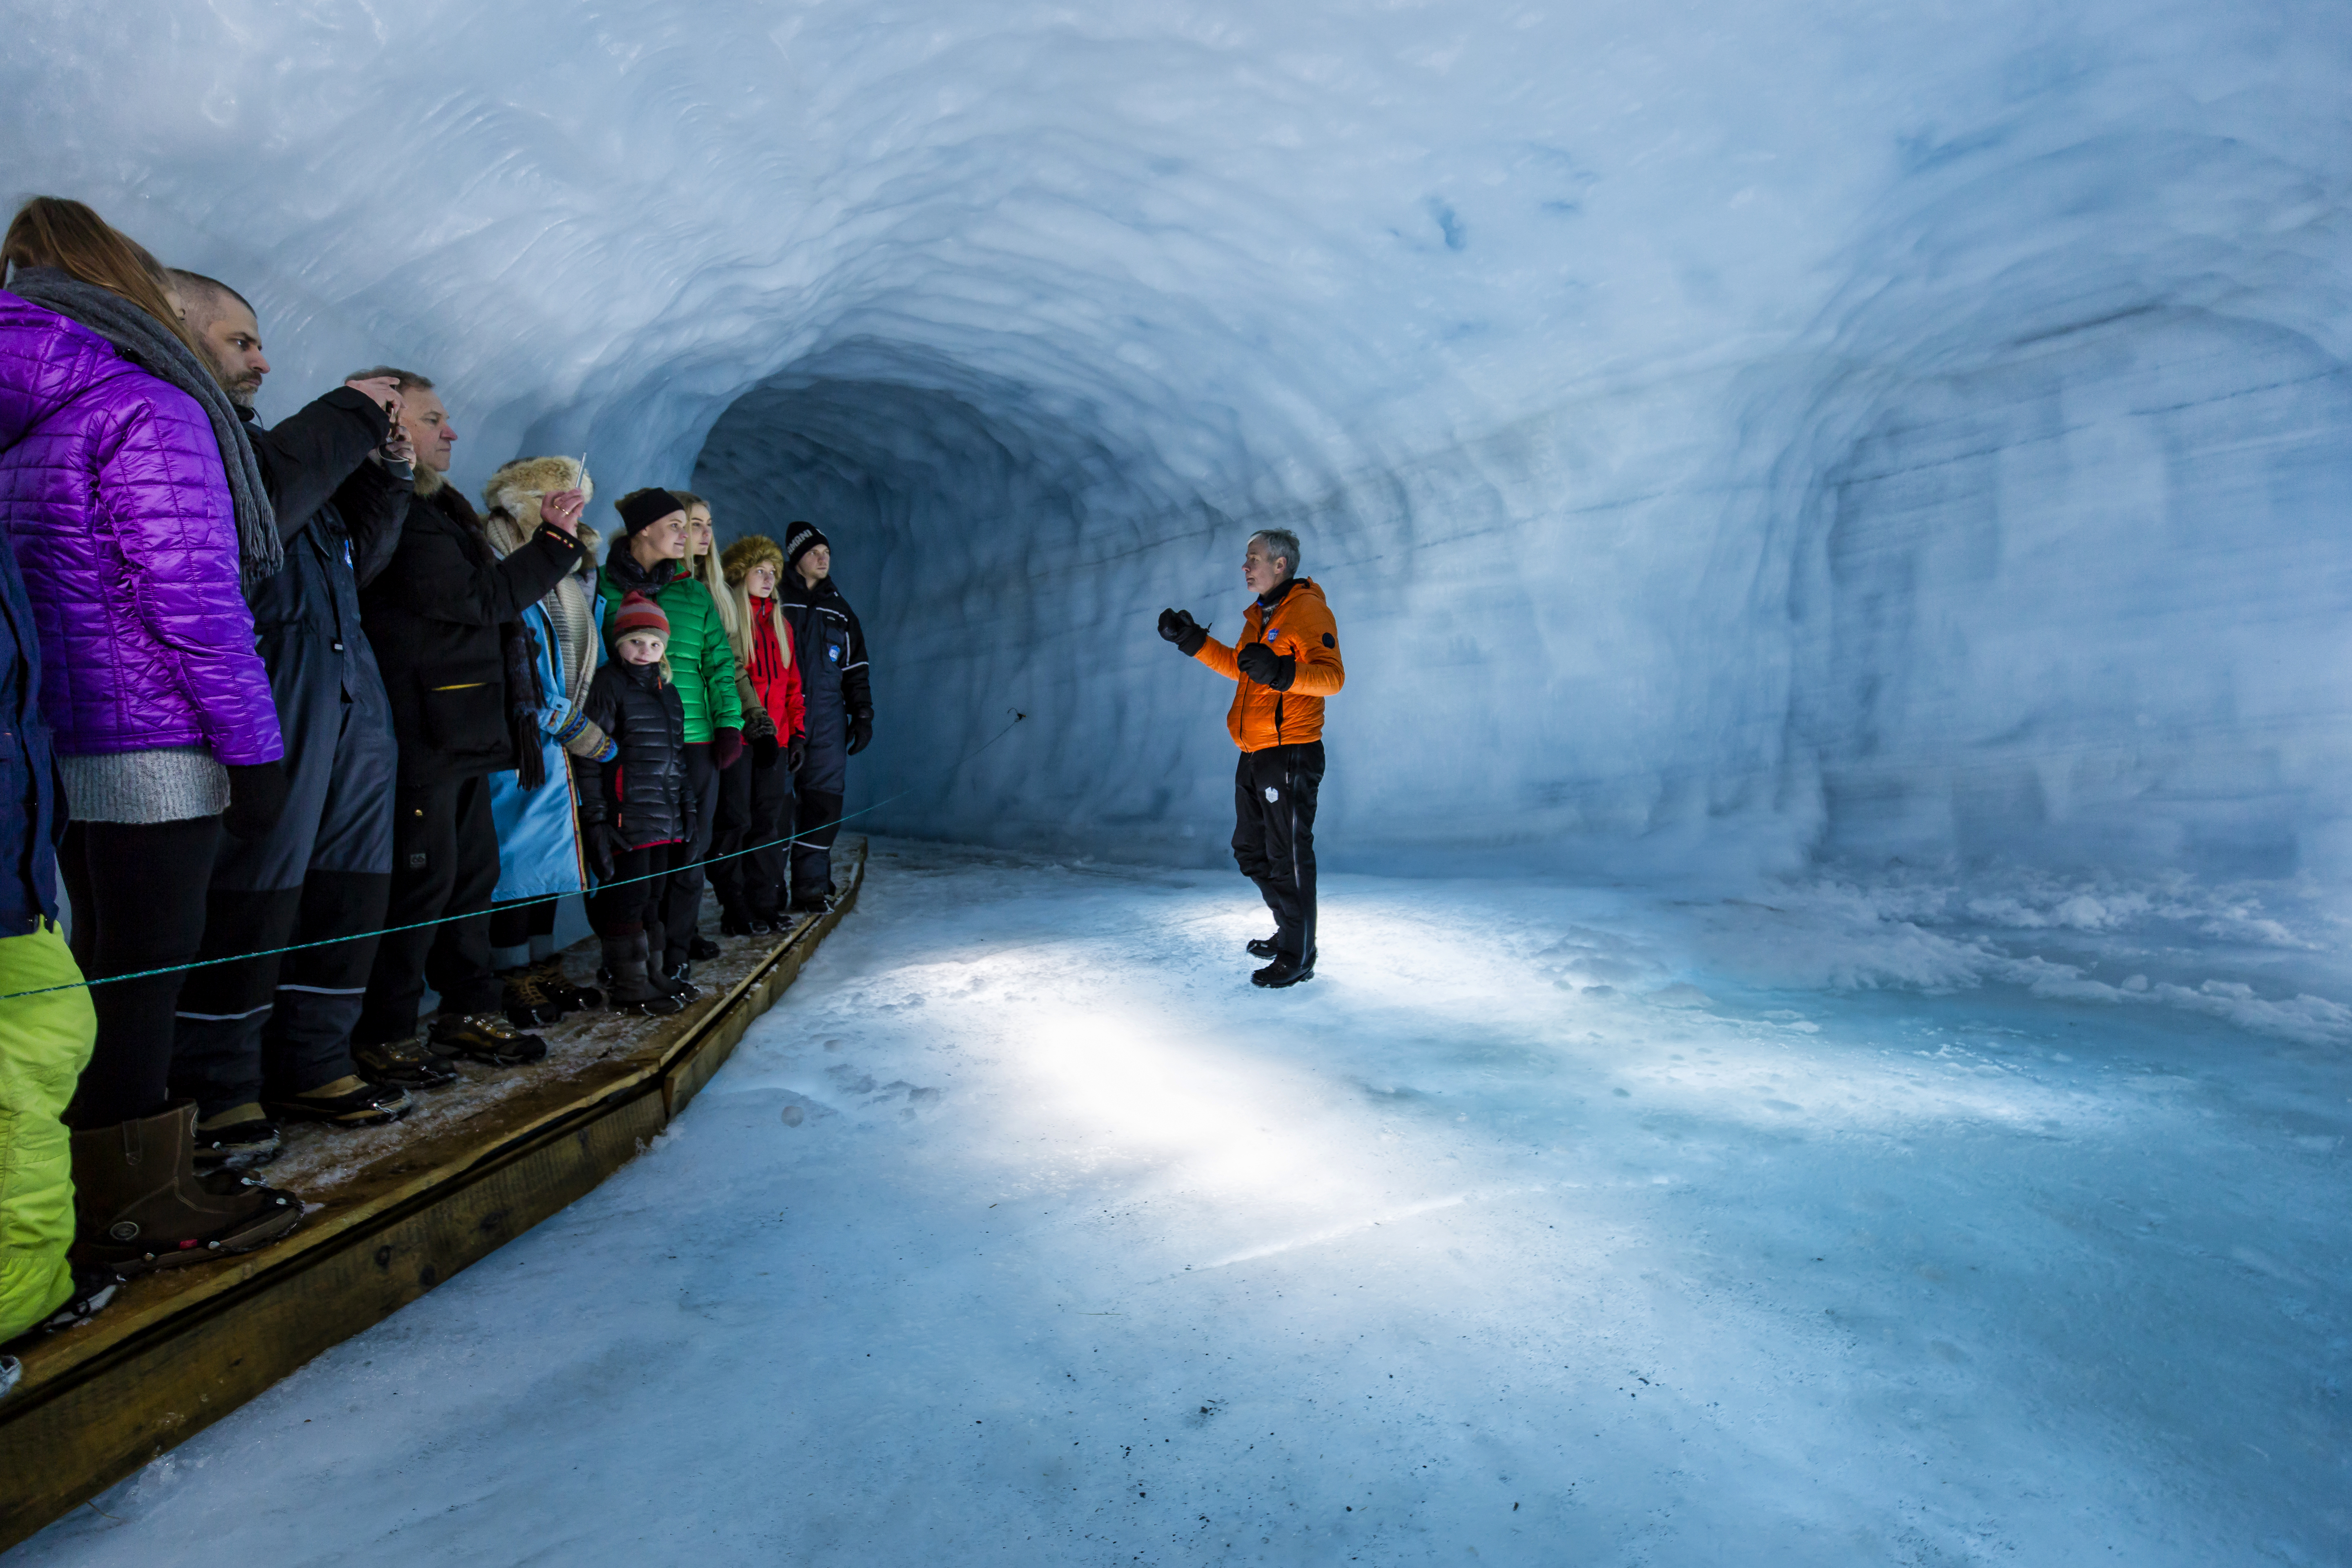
638 614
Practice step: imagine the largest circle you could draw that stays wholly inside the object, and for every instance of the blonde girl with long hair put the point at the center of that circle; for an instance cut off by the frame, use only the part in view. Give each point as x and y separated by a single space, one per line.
756 804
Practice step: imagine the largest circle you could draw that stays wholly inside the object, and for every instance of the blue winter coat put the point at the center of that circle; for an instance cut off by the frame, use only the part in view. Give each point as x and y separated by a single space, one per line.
32 809
538 829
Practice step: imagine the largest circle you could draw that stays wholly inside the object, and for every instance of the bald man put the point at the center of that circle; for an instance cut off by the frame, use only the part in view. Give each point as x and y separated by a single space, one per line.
264 1039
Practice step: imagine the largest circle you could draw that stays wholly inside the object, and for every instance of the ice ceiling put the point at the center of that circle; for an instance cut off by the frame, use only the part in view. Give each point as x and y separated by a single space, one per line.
1728 434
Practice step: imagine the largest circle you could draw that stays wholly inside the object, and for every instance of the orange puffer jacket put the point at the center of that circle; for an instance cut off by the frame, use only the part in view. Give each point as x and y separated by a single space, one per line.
1300 627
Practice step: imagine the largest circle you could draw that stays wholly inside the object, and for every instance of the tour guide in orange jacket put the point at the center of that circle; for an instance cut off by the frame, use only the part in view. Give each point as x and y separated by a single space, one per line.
1285 664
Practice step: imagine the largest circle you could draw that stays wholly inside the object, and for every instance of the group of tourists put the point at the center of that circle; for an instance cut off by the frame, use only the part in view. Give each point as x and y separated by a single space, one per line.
303 733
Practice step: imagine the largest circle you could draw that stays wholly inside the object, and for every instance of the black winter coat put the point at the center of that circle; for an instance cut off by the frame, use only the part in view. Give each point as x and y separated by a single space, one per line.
318 455
340 516
813 613
830 647
643 790
446 617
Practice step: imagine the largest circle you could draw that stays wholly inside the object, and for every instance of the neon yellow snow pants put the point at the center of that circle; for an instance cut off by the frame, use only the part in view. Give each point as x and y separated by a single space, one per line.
44 1045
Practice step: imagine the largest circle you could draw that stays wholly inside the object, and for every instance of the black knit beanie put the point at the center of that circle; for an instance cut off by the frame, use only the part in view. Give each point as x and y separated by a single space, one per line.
645 508
802 537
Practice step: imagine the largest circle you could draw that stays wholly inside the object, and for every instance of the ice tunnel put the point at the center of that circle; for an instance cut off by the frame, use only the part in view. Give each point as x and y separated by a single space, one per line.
1731 436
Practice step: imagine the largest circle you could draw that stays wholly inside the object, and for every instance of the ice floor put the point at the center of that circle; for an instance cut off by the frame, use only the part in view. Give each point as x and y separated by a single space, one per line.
1548 1225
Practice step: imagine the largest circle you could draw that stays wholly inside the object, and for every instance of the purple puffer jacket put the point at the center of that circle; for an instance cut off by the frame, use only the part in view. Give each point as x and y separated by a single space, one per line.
113 497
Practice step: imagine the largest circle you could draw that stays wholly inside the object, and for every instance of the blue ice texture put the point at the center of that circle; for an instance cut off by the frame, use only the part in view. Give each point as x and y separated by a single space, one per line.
1733 439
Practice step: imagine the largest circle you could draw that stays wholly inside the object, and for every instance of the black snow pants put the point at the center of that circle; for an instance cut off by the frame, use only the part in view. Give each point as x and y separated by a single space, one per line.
1274 837
445 861
680 910
283 1025
138 892
755 820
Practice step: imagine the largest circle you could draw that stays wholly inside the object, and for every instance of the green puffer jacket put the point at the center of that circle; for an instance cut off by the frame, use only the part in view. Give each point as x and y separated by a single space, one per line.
700 657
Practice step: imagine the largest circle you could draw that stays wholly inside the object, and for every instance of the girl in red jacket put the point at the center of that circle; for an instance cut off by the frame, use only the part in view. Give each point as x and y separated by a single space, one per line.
755 804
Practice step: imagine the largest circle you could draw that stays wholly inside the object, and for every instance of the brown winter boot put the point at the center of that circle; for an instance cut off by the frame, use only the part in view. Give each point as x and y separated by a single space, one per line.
139 1203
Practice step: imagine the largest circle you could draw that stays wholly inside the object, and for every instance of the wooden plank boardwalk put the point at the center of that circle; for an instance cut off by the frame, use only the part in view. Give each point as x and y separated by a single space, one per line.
392 1212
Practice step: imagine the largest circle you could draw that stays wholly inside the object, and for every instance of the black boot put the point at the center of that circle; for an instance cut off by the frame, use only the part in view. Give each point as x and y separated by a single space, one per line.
1285 970
1263 947
633 990
557 984
668 979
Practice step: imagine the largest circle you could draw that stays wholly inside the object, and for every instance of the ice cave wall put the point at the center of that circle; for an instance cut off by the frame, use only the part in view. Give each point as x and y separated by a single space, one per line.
1728 434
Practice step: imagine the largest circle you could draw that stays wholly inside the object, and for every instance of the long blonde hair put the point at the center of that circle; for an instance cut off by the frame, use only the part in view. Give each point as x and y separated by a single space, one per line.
706 570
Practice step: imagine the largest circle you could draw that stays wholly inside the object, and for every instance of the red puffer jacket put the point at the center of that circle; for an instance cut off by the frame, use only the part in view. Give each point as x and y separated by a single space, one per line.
114 501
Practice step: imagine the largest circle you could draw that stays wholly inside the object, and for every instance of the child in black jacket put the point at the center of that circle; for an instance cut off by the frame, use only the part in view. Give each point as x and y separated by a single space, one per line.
636 812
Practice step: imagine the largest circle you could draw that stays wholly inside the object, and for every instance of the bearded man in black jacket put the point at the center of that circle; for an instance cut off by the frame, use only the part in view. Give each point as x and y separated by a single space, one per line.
447 620
261 1039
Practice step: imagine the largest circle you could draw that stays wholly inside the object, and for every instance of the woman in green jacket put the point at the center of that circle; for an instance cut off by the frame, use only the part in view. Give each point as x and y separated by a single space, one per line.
647 560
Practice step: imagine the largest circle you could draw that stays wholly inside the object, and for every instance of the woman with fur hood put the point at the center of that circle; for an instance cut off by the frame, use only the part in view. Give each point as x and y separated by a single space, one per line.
755 804
533 804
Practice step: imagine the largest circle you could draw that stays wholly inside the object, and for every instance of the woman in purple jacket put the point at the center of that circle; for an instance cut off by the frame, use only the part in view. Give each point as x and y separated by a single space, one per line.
130 497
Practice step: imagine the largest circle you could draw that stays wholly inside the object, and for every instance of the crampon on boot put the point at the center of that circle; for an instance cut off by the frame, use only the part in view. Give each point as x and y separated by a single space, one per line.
485 1038
633 990
140 1204
238 1139
668 979
557 984
402 1063
348 1101
523 997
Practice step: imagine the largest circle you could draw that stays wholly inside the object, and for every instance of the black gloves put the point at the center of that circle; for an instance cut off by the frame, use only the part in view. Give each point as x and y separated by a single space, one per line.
1267 667
600 844
1179 627
861 732
797 752
257 799
726 747
763 751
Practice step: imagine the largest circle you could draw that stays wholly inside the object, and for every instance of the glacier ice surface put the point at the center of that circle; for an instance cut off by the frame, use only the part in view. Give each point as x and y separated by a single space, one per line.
1560 1224
1731 436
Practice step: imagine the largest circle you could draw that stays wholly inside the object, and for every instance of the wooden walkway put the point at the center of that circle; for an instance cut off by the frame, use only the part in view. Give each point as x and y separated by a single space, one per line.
394 1211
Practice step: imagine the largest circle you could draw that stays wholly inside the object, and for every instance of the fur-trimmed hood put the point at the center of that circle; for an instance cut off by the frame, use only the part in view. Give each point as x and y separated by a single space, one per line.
751 549
513 494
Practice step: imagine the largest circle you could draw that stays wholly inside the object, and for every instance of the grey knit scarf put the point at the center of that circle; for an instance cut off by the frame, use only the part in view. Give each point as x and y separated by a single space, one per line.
153 347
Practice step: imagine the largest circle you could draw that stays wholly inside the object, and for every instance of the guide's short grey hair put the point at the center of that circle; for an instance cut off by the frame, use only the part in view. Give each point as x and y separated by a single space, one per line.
1279 542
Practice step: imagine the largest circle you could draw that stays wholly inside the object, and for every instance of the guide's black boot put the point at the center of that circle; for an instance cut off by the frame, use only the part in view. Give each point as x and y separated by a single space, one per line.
633 990
1285 970
141 1204
1263 947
